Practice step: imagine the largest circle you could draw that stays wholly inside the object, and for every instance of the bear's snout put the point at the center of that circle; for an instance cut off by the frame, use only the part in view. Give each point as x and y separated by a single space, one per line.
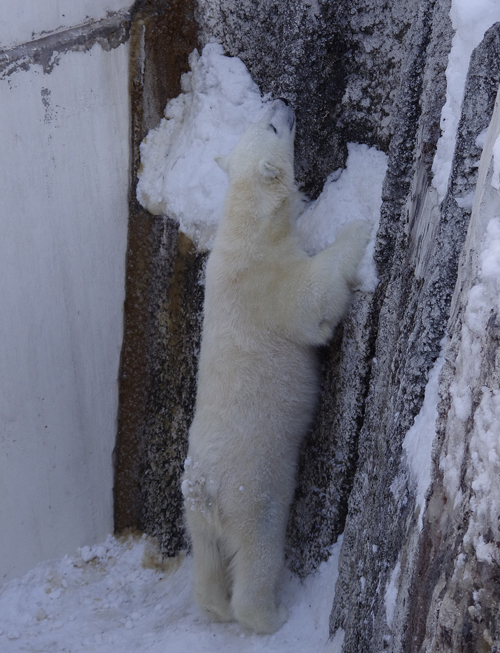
282 110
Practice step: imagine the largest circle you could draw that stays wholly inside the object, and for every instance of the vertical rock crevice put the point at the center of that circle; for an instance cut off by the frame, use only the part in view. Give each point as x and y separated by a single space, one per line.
161 271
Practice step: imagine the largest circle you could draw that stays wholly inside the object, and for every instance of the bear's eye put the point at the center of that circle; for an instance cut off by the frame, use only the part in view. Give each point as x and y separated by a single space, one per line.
273 128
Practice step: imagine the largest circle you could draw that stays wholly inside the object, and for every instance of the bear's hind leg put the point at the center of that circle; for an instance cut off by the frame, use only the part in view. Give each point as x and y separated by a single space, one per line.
211 582
257 568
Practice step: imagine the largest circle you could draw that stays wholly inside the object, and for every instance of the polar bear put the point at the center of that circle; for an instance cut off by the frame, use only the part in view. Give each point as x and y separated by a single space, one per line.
267 305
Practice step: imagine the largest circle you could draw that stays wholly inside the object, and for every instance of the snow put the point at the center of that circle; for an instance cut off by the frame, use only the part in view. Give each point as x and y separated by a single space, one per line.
178 175
351 194
417 443
484 475
495 180
180 178
337 641
470 21
391 593
120 596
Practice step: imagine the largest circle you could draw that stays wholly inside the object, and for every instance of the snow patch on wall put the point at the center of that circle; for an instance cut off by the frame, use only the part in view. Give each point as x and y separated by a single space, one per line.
470 21
417 443
495 179
484 474
391 593
337 641
178 175
180 178
354 193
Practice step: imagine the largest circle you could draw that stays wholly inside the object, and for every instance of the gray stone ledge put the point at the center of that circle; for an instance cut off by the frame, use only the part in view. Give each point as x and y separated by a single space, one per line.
110 32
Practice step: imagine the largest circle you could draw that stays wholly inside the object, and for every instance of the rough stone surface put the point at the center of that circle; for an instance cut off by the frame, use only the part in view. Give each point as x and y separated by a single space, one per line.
432 612
454 594
175 338
337 62
329 453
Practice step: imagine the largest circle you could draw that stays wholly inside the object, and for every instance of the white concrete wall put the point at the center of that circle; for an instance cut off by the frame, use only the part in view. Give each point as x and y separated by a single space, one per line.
64 144
24 20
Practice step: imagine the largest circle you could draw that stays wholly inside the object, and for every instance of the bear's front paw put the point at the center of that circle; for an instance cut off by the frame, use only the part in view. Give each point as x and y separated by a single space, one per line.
351 245
298 204
325 332
357 231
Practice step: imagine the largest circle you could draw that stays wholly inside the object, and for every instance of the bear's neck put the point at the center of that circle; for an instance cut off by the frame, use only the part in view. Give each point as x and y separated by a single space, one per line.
251 216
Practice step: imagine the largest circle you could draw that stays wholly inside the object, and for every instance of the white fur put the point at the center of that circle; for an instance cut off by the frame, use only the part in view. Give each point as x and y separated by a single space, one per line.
267 305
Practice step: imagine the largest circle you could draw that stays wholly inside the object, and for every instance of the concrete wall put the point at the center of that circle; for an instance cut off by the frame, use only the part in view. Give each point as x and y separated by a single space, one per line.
64 138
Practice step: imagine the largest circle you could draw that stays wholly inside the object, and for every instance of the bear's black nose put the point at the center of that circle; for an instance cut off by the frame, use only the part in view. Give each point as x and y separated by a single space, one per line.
284 100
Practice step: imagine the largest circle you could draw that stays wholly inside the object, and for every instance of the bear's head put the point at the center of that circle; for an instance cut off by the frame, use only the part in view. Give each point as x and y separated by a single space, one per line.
264 155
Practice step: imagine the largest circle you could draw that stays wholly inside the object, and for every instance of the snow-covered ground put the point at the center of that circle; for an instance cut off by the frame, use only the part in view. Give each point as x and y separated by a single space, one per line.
118 598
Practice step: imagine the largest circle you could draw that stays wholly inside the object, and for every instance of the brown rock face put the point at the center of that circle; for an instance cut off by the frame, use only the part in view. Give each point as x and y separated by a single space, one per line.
163 302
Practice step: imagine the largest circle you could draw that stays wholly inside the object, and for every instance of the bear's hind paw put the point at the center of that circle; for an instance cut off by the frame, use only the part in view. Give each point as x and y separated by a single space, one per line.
263 622
220 613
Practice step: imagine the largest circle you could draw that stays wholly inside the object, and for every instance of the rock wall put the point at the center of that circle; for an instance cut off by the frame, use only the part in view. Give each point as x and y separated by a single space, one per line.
453 595
435 588
339 64
411 577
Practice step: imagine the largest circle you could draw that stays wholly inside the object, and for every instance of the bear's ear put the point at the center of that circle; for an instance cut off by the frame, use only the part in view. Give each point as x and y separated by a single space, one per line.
267 170
222 162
